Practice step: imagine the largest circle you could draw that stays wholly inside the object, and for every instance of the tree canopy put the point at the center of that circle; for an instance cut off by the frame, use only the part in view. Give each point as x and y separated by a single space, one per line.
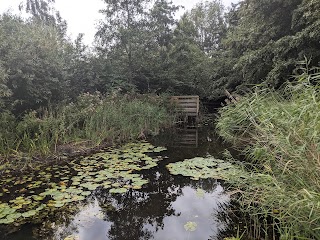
142 47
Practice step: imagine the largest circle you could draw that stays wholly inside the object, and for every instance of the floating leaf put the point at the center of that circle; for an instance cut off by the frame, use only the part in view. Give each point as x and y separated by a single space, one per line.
58 185
209 167
29 213
6 221
118 190
190 226
200 193
86 193
72 237
37 197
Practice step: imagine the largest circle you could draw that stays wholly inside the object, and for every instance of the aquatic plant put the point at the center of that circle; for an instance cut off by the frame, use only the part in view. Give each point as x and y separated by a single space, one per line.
206 167
280 132
88 122
190 226
26 197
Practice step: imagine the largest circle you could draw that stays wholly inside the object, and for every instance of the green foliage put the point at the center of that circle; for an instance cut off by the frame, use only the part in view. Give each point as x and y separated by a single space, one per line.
124 32
33 60
40 9
209 25
59 186
142 48
135 37
7 127
265 39
92 119
38 67
208 167
281 133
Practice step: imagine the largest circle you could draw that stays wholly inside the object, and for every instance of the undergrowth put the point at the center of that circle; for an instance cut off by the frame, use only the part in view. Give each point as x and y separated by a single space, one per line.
279 132
89 121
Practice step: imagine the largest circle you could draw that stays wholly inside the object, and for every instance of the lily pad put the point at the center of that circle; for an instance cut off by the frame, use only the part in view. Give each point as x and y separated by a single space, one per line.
118 190
29 213
190 226
51 187
209 167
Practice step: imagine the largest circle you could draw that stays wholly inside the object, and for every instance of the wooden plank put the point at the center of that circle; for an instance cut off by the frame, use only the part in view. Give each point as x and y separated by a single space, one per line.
186 96
187 104
194 110
195 105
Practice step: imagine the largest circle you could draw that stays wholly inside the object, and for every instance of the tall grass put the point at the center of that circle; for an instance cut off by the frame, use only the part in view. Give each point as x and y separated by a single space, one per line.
89 121
279 132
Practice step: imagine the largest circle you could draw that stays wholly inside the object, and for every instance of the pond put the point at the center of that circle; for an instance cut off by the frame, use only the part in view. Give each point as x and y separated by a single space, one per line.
124 193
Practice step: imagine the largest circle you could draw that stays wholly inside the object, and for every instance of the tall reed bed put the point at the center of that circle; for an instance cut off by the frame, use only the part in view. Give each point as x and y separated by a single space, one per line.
92 119
279 132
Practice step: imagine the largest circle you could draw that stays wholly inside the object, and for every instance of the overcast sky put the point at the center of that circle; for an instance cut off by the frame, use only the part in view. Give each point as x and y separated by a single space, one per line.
82 15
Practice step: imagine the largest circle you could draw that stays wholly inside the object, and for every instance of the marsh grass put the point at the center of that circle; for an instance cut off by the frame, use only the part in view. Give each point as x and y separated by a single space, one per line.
279 132
88 122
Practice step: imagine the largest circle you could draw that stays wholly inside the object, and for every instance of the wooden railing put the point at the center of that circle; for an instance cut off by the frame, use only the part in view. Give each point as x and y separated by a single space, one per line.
188 105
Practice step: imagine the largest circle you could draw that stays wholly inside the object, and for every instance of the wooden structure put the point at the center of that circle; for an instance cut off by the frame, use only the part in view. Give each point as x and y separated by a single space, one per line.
188 105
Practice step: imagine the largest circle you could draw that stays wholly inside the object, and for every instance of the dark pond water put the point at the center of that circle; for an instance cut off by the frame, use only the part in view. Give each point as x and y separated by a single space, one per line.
162 210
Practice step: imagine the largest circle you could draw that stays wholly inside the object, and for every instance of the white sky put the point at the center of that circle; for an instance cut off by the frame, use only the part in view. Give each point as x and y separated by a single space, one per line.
82 15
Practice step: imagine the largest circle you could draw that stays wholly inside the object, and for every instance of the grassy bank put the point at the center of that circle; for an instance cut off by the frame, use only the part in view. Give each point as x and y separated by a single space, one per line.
279 133
88 122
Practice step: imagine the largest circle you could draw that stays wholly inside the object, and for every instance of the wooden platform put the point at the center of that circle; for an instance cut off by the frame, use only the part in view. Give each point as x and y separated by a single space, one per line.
188 105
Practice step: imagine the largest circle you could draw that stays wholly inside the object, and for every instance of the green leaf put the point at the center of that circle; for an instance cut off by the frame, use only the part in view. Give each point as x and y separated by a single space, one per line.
190 226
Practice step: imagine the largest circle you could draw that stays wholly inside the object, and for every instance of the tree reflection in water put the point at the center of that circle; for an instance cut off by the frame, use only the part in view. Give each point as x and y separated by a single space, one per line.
157 211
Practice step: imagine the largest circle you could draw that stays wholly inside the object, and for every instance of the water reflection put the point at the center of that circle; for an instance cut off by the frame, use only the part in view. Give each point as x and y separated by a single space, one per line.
186 137
158 211
147 216
192 207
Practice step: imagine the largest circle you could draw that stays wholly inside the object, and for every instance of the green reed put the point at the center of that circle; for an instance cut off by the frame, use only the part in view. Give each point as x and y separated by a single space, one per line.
88 122
279 132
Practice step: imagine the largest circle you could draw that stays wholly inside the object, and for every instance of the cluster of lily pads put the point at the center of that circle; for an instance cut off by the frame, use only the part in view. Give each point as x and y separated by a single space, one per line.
208 167
23 197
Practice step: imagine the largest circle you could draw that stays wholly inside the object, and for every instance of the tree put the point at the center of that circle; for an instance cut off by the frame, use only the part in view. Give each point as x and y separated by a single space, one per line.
254 45
33 57
43 11
4 90
208 20
161 22
154 75
187 63
122 33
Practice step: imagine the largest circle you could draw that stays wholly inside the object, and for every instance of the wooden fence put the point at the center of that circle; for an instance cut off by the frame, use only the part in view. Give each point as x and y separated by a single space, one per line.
188 105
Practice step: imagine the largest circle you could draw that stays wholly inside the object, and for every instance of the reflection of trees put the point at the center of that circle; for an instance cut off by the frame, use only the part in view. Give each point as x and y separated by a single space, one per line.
138 214
239 222
135 209
208 142
62 218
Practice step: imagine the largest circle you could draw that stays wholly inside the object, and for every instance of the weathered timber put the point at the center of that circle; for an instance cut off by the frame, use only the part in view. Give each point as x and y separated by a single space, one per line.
188 105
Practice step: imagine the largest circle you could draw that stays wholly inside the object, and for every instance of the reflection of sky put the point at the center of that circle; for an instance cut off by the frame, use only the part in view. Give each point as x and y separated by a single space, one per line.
192 208
88 224
189 207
